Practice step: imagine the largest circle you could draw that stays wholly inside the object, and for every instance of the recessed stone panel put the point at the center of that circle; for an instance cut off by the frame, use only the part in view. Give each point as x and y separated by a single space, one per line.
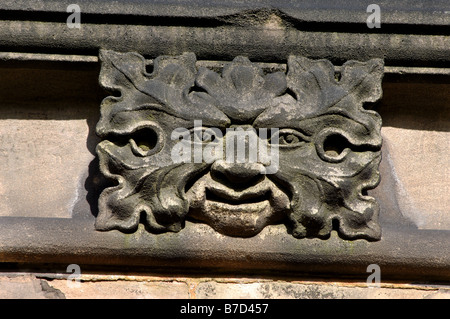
43 165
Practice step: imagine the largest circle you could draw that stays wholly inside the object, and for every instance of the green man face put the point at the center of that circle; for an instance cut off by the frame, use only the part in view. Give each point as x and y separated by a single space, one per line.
239 149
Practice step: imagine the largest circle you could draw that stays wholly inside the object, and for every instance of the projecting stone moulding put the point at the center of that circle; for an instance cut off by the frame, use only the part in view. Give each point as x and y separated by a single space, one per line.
239 149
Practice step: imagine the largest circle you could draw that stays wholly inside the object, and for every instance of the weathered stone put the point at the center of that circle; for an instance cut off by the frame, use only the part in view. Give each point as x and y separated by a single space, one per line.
167 145
416 126
337 30
46 145
49 84
415 154
123 289
46 148
287 290
27 286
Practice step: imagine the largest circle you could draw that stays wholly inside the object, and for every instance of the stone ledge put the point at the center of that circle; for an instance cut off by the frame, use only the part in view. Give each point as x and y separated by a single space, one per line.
336 11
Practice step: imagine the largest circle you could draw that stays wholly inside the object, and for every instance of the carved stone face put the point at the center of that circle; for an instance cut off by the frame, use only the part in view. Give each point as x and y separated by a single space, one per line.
310 148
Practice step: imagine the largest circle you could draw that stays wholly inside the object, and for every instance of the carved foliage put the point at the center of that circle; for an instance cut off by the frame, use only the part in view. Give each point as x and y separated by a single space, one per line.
328 145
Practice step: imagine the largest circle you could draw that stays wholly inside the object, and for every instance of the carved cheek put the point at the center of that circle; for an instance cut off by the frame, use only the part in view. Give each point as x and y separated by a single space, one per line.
296 152
293 162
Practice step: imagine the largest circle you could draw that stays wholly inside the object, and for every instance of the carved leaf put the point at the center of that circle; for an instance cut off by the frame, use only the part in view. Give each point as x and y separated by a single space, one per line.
165 89
242 91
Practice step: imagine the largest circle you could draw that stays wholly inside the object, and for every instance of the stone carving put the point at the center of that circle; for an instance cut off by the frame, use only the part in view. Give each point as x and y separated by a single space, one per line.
317 147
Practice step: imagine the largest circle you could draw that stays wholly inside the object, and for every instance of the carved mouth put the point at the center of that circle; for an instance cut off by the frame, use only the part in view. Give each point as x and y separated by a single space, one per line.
232 212
233 198
243 204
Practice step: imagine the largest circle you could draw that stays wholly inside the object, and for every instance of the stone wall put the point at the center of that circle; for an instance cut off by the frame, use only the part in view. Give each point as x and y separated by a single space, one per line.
53 79
117 286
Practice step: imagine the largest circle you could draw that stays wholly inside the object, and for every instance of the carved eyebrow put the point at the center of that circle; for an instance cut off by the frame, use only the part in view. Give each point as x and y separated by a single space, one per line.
207 118
278 121
296 126
207 121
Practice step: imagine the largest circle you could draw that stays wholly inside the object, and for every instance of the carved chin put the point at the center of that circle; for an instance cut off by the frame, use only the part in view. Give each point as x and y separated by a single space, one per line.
242 213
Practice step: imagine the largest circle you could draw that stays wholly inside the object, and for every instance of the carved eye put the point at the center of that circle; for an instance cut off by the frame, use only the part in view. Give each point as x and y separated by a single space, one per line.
288 138
205 135
144 141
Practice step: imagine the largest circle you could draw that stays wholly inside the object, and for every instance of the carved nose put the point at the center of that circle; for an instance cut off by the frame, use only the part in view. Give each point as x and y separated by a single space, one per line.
237 173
